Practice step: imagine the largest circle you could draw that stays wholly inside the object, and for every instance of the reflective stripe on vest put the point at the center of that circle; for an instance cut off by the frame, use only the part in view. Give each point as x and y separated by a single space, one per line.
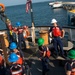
16 72
56 31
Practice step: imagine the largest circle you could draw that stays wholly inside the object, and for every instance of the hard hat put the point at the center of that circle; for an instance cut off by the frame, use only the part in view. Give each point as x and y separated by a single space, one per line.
13 57
18 24
71 54
40 41
54 21
13 46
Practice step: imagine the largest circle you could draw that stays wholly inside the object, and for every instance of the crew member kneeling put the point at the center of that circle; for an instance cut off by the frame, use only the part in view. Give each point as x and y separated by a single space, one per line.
15 68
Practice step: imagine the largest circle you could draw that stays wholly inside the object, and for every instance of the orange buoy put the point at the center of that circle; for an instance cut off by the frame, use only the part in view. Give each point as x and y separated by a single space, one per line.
2 7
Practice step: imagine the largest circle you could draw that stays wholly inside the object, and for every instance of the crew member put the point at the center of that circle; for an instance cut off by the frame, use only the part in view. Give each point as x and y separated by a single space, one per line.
57 34
13 48
44 58
70 65
15 68
20 36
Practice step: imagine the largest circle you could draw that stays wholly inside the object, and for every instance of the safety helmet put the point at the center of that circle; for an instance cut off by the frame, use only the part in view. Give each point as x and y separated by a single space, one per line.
18 24
40 41
71 54
13 46
13 57
54 21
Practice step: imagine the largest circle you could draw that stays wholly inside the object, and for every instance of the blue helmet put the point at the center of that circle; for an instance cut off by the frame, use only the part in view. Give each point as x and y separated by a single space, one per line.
13 46
13 57
18 24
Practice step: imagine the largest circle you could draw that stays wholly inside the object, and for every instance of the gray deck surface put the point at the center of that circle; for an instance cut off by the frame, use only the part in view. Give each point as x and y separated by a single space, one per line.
56 65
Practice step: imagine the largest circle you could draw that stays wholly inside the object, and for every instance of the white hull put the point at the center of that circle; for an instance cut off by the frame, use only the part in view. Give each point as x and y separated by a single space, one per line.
56 4
51 3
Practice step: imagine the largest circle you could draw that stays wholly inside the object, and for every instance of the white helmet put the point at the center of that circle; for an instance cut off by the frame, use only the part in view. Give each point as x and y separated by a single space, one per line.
54 21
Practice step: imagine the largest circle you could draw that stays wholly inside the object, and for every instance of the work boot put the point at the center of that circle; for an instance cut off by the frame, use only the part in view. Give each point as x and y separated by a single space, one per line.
64 56
57 55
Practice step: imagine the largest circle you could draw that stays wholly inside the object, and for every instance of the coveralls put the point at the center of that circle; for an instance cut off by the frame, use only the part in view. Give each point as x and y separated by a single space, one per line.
45 60
21 39
57 40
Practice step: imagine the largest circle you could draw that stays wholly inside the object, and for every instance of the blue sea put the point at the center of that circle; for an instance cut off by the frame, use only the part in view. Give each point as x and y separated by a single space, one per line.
42 15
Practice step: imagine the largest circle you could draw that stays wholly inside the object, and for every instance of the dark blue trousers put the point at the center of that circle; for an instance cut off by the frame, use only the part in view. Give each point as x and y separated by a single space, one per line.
45 65
57 42
20 40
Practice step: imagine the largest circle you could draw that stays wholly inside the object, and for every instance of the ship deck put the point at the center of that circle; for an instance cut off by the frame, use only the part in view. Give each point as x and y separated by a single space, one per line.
32 57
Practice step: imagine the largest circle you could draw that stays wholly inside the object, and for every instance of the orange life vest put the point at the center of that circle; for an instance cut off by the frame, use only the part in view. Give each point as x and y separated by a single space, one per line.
16 72
20 61
26 33
56 31
48 52
1 60
73 72
73 69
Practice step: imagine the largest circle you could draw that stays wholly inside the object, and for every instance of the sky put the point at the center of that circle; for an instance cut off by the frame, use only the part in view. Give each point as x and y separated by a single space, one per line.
17 2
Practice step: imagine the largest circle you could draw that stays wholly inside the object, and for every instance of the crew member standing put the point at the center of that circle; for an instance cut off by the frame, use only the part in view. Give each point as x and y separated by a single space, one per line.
57 34
70 65
20 36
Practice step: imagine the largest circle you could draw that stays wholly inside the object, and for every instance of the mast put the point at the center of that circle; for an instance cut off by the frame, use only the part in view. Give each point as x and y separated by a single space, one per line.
33 28
29 6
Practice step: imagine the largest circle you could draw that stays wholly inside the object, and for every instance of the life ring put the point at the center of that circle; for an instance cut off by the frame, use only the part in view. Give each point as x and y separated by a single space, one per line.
2 7
26 33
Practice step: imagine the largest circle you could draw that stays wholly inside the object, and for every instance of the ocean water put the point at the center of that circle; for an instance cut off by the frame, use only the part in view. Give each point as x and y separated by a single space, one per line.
42 15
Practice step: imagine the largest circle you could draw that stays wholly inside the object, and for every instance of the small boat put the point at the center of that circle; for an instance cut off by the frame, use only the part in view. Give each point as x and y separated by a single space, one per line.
56 4
51 3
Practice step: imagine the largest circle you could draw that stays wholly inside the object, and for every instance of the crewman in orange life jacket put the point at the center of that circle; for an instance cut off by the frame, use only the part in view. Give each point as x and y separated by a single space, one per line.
57 34
45 54
70 65
20 36
15 68
13 48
